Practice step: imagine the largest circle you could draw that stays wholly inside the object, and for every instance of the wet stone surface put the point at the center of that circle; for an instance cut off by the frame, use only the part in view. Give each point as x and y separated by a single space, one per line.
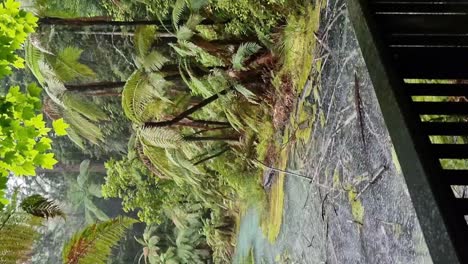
357 208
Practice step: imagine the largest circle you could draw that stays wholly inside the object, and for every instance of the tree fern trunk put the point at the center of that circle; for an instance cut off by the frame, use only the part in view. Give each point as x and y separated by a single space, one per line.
96 86
96 21
211 157
187 112
214 138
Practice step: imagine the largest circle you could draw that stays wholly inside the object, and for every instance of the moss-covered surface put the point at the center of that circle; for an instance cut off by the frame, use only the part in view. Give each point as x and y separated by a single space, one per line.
324 220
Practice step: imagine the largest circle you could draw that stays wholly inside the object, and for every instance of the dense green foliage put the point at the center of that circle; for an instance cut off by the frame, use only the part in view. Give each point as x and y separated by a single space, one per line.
15 25
25 140
193 89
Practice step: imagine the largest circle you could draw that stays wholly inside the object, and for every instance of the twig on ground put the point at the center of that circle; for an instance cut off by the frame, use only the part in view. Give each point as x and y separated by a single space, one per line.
374 179
359 109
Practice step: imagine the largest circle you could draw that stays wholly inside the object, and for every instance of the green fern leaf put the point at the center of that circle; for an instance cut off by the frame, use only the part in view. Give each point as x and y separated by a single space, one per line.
83 127
41 207
154 61
140 91
244 51
246 93
193 21
75 138
177 11
82 105
100 215
144 38
184 33
67 66
178 159
32 57
94 244
161 137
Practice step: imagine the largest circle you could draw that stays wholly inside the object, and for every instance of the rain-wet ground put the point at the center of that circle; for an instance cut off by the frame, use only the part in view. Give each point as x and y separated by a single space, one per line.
356 209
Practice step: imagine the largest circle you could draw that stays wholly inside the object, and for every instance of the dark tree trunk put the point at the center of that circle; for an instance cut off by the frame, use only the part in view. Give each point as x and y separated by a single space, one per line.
212 156
96 86
213 138
187 112
96 21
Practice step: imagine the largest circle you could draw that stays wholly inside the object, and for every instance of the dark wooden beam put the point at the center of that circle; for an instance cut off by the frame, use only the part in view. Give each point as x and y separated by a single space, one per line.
432 199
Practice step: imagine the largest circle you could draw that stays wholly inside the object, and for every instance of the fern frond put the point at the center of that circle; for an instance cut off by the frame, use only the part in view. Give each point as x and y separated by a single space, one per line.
17 237
36 42
41 207
178 159
140 91
161 137
158 159
244 51
144 38
154 61
67 66
160 86
246 93
54 87
184 33
193 21
83 127
94 244
80 104
177 11
75 138
32 57
98 213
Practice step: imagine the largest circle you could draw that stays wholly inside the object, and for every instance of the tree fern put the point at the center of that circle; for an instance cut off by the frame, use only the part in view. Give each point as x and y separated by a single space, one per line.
244 51
80 104
140 90
41 207
67 66
94 244
161 137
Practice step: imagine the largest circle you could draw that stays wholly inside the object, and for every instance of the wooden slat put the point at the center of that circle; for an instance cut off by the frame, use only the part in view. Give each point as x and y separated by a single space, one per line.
454 177
420 7
423 24
440 108
450 151
437 89
431 63
444 128
426 40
